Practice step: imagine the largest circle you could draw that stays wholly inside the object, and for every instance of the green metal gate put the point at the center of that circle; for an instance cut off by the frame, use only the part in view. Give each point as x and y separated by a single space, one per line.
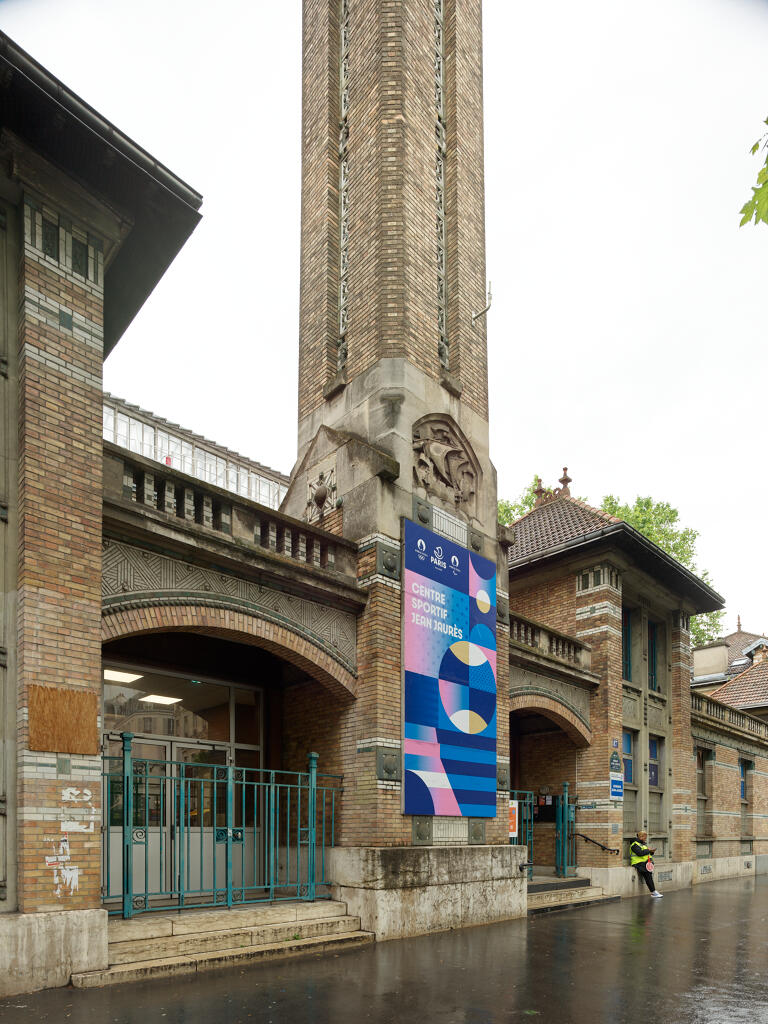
565 838
183 835
524 836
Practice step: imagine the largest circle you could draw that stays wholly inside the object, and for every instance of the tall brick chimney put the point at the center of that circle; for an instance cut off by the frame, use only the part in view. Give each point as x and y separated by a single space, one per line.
393 256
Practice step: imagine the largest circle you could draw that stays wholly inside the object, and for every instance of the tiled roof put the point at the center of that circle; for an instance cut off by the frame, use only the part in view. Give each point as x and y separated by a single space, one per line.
556 522
748 689
737 643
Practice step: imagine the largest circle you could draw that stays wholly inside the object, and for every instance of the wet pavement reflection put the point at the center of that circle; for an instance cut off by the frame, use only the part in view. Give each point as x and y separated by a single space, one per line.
699 956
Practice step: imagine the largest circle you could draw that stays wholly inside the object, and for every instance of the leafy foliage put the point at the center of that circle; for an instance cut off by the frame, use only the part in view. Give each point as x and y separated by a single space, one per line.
510 511
660 522
656 520
756 208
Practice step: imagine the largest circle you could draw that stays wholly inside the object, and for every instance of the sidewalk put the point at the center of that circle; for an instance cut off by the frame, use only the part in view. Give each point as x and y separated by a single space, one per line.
696 957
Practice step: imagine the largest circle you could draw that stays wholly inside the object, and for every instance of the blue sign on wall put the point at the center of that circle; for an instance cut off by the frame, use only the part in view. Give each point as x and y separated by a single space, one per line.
617 787
449 662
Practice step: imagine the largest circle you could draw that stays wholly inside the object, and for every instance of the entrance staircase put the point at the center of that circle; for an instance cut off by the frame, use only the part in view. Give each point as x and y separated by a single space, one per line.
547 894
157 945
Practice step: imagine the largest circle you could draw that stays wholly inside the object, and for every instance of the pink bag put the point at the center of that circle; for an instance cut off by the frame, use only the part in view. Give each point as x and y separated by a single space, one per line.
649 865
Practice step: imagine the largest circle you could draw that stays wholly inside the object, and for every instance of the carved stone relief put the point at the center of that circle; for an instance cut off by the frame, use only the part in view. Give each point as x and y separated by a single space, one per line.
444 465
321 492
132 576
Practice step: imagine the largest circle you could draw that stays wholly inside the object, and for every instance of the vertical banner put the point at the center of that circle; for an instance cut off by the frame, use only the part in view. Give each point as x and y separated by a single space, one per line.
449 679
513 819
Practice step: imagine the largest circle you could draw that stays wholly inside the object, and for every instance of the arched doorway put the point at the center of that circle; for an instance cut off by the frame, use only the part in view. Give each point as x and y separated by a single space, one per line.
546 738
217 714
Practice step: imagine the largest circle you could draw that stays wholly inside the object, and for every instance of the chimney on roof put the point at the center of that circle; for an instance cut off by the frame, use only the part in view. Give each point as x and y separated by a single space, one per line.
564 491
759 654
539 491
738 623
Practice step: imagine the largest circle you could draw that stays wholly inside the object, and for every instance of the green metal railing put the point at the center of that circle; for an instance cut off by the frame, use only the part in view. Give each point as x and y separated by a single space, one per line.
183 835
565 835
524 835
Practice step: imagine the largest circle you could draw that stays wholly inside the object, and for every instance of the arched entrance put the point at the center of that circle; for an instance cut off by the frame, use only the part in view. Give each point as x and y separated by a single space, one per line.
546 737
208 719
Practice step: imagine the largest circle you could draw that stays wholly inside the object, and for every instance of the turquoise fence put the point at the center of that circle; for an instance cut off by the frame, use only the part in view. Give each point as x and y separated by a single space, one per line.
183 835
524 835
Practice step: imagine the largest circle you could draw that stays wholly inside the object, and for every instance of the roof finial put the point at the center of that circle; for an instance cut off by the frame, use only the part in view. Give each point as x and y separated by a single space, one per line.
539 491
565 491
738 623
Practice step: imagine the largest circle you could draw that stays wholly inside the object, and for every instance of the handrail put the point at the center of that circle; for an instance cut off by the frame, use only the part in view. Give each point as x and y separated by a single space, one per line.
589 839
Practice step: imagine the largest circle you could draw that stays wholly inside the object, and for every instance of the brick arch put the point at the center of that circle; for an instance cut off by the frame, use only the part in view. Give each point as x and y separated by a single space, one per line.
556 711
232 625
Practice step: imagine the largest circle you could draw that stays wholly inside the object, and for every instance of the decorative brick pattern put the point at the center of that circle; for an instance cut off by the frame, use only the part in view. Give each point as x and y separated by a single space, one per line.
245 628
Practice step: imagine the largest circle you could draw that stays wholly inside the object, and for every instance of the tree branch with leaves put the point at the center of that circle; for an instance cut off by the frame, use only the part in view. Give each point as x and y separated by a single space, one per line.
656 520
756 208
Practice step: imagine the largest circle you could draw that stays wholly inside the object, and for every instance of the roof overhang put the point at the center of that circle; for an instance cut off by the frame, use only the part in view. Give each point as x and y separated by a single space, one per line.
57 124
643 552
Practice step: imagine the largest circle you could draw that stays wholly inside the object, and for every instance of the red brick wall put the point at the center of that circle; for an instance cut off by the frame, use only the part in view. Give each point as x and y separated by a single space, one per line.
59 579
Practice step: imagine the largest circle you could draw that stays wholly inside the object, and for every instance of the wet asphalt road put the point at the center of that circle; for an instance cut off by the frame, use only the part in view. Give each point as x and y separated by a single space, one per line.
699 956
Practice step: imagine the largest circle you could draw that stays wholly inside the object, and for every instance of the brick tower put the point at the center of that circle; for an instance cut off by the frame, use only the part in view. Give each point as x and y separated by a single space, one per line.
393 253
393 408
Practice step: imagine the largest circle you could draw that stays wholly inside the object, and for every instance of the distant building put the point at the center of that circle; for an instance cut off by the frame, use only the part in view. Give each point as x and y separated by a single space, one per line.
716 663
748 691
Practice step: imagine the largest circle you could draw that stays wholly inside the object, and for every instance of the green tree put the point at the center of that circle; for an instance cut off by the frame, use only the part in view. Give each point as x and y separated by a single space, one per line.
660 522
756 208
656 520
510 511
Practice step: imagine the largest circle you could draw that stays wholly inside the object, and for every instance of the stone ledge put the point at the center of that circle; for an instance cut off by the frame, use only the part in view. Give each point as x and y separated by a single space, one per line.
44 950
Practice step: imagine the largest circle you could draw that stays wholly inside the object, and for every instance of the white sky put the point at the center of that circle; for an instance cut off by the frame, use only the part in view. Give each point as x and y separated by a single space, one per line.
628 329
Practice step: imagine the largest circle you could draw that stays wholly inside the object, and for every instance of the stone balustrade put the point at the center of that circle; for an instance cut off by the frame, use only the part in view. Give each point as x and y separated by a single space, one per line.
175 494
703 705
549 642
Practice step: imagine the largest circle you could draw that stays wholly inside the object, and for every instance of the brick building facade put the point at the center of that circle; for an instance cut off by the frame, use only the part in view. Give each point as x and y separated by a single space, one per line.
161 591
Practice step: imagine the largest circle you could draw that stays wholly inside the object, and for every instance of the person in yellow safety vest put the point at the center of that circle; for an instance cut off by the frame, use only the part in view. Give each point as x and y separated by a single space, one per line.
639 858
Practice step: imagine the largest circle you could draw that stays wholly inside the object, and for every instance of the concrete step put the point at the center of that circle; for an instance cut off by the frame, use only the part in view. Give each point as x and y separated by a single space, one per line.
539 884
142 970
567 899
230 938
193 922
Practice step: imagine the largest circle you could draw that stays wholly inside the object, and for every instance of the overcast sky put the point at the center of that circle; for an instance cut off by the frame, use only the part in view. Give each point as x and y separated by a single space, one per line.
628 331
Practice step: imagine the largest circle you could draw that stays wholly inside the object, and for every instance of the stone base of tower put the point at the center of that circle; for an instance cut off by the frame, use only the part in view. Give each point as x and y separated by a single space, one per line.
402 891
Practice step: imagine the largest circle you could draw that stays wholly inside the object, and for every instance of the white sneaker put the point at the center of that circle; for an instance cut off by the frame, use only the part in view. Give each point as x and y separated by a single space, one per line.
657 895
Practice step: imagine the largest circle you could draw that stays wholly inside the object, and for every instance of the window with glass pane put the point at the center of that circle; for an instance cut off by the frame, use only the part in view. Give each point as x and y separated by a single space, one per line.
108 431
248 717
597 578
626 644
627 746
655 819
655 777
743 780
701 783
134 434
630 811
653 679
148 444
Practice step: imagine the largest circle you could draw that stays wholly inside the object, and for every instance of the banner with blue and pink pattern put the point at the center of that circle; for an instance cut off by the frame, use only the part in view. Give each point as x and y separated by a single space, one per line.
449 661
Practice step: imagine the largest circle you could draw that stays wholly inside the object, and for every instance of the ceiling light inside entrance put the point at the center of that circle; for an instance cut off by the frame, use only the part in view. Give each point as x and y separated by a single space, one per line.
111 675
158 698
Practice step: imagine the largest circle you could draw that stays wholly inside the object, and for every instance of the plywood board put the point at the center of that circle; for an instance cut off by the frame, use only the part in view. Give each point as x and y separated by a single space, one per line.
63 720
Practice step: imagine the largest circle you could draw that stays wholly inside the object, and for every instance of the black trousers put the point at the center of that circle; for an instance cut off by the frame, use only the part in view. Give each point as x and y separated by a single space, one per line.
647 876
